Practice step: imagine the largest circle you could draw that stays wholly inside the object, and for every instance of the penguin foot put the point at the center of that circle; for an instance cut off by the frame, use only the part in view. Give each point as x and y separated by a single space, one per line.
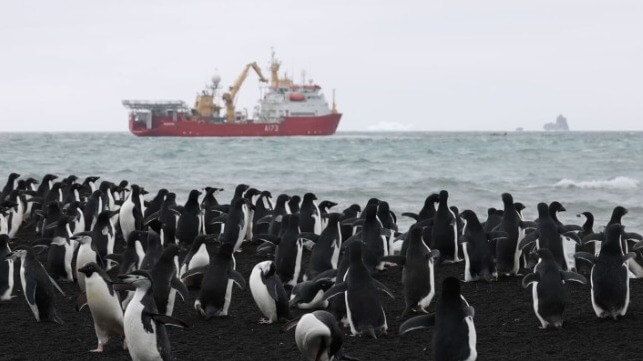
265 321
97 349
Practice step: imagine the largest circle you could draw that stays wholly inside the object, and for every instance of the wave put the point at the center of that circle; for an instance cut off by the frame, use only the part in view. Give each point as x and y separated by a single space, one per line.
614 183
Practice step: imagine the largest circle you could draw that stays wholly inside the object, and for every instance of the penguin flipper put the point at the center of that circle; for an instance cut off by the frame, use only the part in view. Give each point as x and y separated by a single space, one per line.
417 323
151 217
180 288
309 236
585 256
570 228
337 289
237 278
220 219
593 237
411 215
632 235
55 284
573 236
118 258
497 234
357 237
530 238
165 319
527 224
529 279
630 255
380 286
270 238
195 271
573 276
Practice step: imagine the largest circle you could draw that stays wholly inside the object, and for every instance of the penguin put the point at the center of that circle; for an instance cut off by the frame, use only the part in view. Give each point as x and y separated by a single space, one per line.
144 327
588 226
249 211
269 293
548 292
208 204
16 211
293 204
89 185
364 310
318 337
386 216
234 224
74 209
61 251
103 303
45 185
12 182
73 193
479 249
445 230
337 305
155 204
309 215
133 254
87 253
6 269
196 257
308 295
507 250
375 245
153 250
418 276
263 208
325 253
189 223
352 212
610 277
289 252
37 286
166 283
130 216
325 206
104 235
454 333
281 209
216 287
427 211
168 218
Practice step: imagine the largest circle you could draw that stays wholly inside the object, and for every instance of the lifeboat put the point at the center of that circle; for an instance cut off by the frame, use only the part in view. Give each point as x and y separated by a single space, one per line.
296 97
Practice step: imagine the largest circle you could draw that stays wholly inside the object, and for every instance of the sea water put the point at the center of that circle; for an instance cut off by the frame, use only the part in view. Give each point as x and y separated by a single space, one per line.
585 171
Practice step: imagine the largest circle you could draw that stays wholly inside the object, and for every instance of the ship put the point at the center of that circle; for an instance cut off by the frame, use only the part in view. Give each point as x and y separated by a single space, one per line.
559 125
284 109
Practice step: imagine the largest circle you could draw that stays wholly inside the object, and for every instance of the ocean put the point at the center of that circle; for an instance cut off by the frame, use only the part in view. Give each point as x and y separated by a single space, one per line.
585 171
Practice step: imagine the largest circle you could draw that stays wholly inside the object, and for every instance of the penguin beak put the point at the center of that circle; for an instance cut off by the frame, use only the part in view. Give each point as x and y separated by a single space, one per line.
11 256
562 209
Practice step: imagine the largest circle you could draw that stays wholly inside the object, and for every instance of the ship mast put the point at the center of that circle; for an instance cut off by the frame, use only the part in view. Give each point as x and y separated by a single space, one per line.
274 70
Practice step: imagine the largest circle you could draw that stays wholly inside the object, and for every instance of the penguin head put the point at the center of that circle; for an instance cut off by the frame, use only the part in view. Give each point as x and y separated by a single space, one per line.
19 253
240 189
171 197
556 207
266 194
194 195
90 179
519 207
455 210
587 215
212 190
170 252
49 177
444 196
469 216
372 202
282 199
543 210
123 184
332 217
327 205
355 208
309 197
89 269
251 192
415 234
619 212
138 279
14 176
432 199
490 211
507 199
451 288
384 207
162 193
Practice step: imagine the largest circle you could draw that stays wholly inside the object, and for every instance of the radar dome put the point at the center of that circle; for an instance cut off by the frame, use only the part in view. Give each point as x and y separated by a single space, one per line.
216 79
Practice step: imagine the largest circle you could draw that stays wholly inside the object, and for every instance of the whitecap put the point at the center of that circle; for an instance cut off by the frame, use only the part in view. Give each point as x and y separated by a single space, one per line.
614 183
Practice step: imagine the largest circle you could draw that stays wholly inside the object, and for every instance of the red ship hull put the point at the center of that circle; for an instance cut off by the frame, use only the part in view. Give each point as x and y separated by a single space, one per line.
291 126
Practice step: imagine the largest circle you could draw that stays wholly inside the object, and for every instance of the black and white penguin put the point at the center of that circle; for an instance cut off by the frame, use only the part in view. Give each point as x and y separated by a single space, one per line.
269 293
445 230
289 252
352 212
12 183
144 326
45 185
133 254
216 287
325 253
104 235
364 310
293 204
281 209
155 204
166 283
89 185
196 257
386 216
61 251
6 269
103 304
375 245
234 224
548 235
325 206
87 253
92 209
418 276
318 337
51 215
153 250
309 295
454 334
251 196
548 292
130 216
37 286
169 218
309 215
263 208
189 224
610 277
208 204
507 250
479 248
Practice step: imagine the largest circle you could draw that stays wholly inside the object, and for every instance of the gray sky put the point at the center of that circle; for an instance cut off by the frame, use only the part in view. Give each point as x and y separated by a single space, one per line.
423 65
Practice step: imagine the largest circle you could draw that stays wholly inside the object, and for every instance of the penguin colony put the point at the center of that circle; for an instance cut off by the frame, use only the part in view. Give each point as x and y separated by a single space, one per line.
132 259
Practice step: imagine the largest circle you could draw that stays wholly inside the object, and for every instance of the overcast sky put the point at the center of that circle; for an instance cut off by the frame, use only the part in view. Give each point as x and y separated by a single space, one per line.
422 65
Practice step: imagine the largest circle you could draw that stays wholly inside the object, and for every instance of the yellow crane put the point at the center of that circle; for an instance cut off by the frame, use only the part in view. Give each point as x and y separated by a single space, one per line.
229 97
